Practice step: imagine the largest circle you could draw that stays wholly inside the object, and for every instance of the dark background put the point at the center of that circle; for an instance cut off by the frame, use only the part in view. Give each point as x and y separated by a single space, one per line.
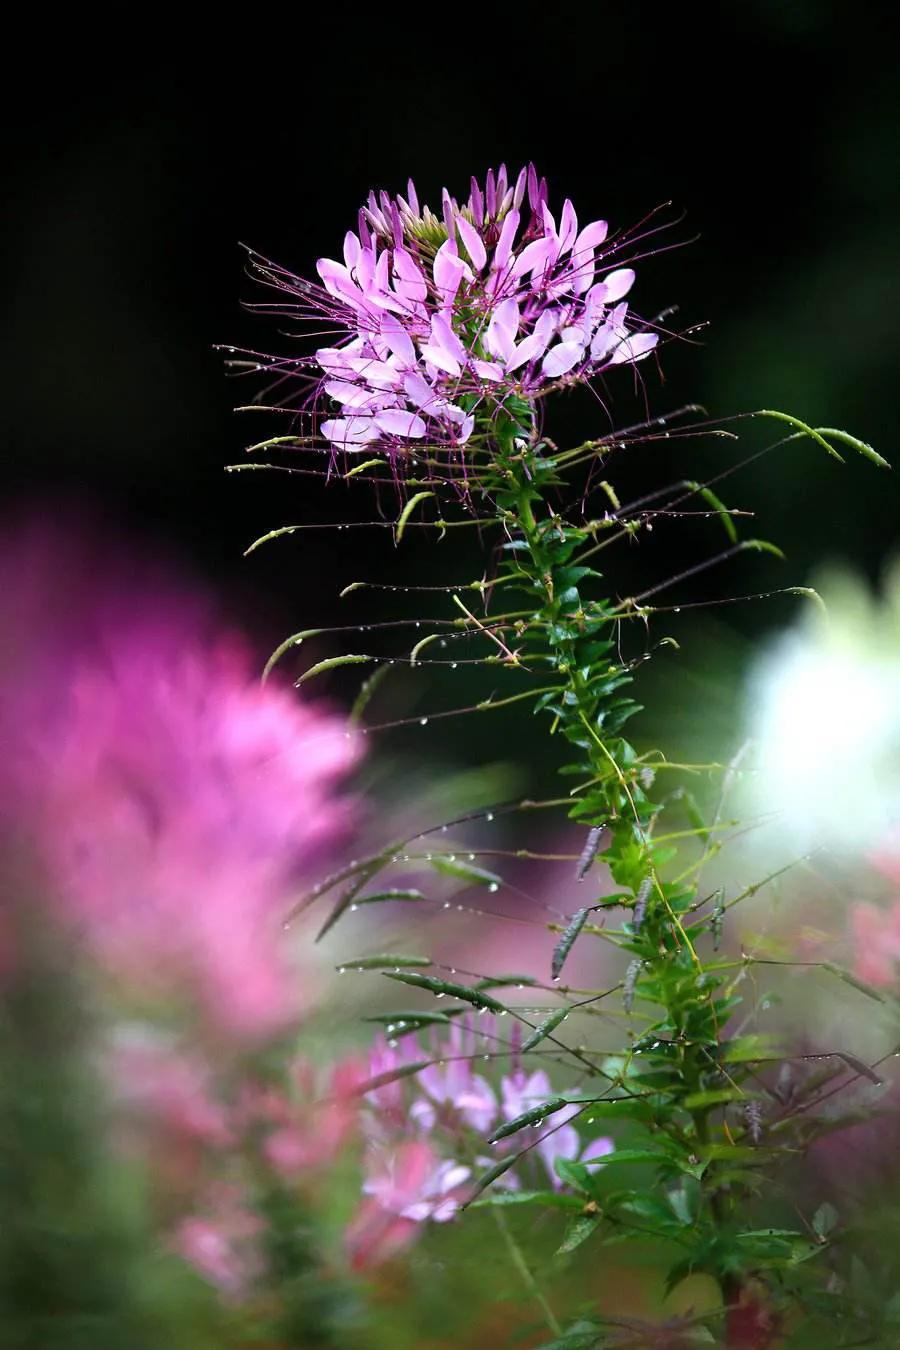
138 166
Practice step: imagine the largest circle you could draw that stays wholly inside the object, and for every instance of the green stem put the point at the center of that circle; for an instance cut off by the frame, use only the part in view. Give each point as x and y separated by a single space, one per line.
517 1257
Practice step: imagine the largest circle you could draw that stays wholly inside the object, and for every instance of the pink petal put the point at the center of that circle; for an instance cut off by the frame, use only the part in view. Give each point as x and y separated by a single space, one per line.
419 391
591 236
352 250
533 256
349 432
401 422
409 280
598 1148
562 358
352 395
618 283
449 269
440 358
473 243
488 370
633 348
399 341
337 280
501 331
505 242
568 227
582 271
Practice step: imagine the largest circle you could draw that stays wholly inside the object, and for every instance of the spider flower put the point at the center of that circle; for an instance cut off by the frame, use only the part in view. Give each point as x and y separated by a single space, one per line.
173 803
445 316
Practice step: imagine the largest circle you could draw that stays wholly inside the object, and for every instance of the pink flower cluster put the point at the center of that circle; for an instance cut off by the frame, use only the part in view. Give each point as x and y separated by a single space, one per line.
448 315
453 1108
194 1131
173 803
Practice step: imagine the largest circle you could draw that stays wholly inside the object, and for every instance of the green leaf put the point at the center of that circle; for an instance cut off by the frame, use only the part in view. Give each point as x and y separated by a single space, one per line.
407 512
442 988
854 981
802 428
567 941
377 962
549 1024
749 1049
579 1231
389 1076
294 640
452 867
351 899
376 897
576 1175
550 1199
535 1116
332 663
855 444
631 1155
697 1100
490 1176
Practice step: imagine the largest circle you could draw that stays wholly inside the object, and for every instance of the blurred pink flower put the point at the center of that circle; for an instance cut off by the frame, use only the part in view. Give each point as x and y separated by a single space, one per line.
451 1083
404 1186
166 1087
876 935
222 1246
174 802
875 929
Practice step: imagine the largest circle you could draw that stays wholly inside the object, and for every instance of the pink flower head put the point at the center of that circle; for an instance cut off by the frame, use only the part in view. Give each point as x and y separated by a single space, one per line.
174 801
444 314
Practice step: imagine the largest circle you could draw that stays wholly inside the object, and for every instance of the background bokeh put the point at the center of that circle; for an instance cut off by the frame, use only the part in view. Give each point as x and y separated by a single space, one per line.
136 172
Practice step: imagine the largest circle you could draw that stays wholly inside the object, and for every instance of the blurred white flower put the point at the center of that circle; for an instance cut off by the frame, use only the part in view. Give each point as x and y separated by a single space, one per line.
824 715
